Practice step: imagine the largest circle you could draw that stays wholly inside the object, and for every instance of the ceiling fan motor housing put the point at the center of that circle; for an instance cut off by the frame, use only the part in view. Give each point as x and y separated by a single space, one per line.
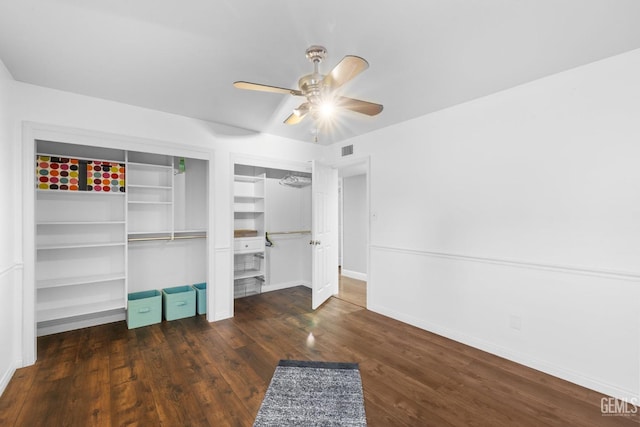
311 86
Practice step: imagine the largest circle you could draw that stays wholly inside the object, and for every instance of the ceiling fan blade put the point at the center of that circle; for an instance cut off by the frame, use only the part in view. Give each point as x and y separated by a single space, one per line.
298 114
266 88
294 118
348 68
359 106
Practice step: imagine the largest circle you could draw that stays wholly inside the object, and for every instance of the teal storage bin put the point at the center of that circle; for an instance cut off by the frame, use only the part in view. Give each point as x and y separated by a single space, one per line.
201 297
178 302
144 308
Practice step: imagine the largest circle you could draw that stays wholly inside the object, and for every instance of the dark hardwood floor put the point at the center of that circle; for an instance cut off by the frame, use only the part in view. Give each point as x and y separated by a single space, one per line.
191 372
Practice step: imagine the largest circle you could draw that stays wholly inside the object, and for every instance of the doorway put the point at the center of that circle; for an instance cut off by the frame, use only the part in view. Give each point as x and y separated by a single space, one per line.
353 232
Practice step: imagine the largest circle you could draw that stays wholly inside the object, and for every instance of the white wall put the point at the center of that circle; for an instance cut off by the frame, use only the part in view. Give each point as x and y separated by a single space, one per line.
511 223
10 269
355 227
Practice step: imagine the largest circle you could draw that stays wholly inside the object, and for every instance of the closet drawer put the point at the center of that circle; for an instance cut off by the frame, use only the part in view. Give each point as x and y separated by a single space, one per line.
248 244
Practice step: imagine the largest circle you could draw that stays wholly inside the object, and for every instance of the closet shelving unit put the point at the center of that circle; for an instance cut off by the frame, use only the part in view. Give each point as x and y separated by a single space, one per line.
166 220
151 202
249 252
90 250
150 198
80 250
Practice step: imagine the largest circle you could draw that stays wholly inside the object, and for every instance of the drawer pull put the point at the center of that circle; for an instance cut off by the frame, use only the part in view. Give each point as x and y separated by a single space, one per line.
181 303
144 310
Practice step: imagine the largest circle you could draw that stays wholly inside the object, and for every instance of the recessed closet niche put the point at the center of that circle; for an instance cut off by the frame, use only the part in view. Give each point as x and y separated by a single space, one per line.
110 222
167 221
272 229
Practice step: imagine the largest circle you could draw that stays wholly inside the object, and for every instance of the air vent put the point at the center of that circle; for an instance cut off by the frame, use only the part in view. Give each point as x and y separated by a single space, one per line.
347 150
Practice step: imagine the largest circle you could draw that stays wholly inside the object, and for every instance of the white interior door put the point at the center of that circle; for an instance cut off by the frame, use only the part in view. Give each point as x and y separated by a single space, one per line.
324 233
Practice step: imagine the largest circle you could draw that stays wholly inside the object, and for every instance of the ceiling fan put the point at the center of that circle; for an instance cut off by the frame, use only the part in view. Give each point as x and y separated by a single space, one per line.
321 90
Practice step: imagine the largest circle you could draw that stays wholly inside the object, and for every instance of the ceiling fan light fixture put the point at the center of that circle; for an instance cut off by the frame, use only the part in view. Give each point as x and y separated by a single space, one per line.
302 109
326 108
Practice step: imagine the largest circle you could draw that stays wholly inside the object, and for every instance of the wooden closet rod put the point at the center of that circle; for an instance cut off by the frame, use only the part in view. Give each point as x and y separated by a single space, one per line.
147 239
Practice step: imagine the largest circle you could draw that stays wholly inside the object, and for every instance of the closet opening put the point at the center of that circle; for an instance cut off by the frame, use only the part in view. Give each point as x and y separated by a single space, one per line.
272 229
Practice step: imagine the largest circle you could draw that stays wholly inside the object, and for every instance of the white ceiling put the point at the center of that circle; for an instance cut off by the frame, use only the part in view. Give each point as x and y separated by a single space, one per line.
425 55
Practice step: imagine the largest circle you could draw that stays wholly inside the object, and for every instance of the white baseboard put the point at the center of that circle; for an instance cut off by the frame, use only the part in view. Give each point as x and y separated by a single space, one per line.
6 377
285 285
354 275
220 316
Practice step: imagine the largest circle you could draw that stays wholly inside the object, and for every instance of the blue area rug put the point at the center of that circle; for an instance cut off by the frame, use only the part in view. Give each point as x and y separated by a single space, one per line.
313 394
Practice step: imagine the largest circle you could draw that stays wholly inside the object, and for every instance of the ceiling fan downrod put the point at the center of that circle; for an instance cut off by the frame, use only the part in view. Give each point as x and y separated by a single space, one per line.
316 54
311 84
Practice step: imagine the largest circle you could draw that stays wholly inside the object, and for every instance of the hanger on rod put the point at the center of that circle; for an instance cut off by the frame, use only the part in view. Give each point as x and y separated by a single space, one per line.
291 180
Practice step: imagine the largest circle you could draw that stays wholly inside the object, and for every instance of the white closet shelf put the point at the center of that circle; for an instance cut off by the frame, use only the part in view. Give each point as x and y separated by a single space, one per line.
135 202
177 235
246 178
149 165
79 245
150 232
44 315
245 274
81 193
246 211
247 197
75 281
52 223
150 187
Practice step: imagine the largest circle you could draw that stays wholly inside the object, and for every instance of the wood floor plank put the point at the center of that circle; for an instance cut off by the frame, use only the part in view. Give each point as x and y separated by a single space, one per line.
17 392
243 380
220 405
192 372
133 403
46 404
405 398
175 402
